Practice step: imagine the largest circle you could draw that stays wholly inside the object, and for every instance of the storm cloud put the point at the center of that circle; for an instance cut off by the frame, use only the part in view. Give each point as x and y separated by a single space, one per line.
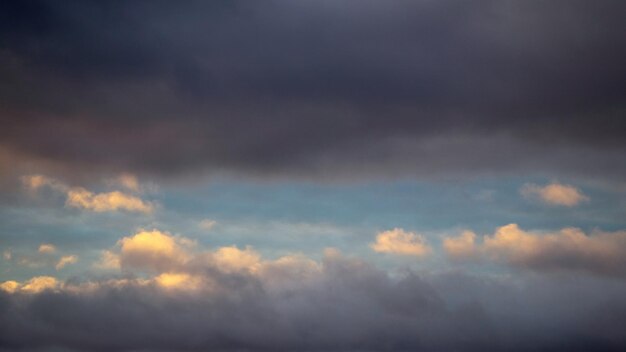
314 89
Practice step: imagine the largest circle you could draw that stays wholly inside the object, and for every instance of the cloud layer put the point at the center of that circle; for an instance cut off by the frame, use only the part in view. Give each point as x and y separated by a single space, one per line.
173 295
312 89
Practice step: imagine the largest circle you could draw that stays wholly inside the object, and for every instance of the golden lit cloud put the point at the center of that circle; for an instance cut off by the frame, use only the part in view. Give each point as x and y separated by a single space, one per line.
38 284
46 248
10 286
66 260
555 194
79 197
565 249
180 281
154 249
461 247
234 259
398 241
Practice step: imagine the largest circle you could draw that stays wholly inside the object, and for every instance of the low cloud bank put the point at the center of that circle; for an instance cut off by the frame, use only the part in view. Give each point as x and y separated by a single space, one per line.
175 296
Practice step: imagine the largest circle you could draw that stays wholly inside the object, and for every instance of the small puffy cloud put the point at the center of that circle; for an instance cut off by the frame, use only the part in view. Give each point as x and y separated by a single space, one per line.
555 194
207 224
154 249
9 286
46 248
79 197
7 255
567 249
398 241
66 260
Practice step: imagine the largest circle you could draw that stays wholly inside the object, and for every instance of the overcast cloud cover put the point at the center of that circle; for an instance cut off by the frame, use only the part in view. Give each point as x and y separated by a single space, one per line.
316 88
313 175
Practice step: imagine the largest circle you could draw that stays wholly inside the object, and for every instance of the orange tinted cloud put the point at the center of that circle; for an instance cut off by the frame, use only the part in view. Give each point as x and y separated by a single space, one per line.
398 241
565 249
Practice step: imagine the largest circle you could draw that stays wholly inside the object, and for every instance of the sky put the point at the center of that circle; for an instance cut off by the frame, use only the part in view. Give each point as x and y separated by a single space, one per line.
312 175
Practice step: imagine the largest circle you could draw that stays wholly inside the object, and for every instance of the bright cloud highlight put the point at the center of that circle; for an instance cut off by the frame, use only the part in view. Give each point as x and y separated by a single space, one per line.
398 241
566 249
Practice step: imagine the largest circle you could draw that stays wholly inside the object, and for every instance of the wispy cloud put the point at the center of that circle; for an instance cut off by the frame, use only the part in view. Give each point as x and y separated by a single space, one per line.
46 248
79 197
66 260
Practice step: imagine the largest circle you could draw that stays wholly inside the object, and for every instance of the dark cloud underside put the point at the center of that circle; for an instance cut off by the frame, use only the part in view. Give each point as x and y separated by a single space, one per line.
310 88
353 307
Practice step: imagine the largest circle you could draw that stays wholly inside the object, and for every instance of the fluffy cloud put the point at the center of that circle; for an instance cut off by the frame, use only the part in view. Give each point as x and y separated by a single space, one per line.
555 194
398 241
234 259
567 249
66 260
79 197
153 250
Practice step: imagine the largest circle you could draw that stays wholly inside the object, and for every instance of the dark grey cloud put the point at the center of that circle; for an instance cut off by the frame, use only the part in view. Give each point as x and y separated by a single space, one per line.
352 307
316 88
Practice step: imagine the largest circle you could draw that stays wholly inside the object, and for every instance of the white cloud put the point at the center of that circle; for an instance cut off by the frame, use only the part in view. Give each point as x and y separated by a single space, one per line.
555 194
398 241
